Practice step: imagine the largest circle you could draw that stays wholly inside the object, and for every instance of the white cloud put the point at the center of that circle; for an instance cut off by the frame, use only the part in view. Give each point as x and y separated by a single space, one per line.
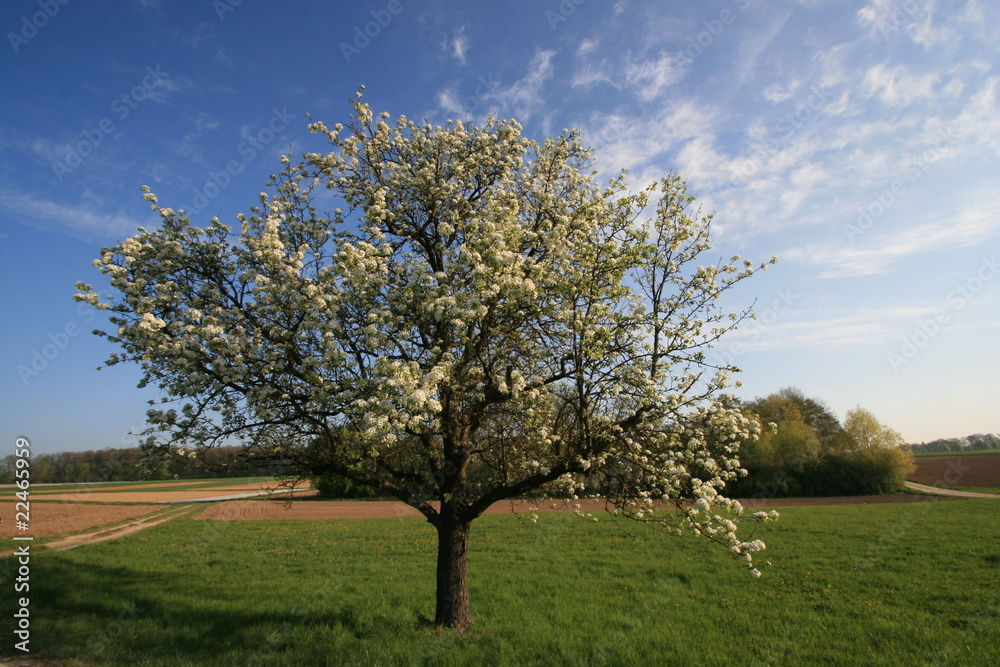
646 77
525 96
886 19
81 221
449 100
587 46
979 121
780 92
590 74
896 86
627 142
650 78
821 331
460 45
881 251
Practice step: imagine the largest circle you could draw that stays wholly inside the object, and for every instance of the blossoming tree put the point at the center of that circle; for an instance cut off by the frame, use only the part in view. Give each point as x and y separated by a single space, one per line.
478 320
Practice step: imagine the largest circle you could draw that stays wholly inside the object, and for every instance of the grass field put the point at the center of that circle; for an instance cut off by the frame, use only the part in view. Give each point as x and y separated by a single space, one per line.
873 585
969 452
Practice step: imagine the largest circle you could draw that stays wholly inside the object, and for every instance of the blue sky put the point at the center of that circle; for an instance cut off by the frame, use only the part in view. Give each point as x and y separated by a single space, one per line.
858 141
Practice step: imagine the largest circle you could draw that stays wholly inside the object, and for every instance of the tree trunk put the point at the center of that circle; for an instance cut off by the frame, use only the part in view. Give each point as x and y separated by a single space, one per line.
452 574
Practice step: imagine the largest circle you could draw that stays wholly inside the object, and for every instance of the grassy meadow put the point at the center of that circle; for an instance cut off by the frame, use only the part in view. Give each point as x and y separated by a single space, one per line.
894 584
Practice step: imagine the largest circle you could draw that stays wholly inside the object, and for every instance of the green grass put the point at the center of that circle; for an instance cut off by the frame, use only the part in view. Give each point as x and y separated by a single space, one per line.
969 452
850 585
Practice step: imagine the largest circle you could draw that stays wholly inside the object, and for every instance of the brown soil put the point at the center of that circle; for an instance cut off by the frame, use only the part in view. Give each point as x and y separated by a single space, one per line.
118 531
105 495
46 488
979 470
55 518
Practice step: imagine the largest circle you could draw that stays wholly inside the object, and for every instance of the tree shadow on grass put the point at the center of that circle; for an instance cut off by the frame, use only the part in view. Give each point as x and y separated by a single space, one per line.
105 614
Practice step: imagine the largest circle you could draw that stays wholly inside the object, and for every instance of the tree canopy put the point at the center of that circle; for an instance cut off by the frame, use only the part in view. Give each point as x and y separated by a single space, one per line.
803 450
474 318
868 433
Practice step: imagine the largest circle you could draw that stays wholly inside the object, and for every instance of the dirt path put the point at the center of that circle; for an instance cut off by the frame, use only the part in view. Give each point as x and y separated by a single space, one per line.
923 488
52 519
115 532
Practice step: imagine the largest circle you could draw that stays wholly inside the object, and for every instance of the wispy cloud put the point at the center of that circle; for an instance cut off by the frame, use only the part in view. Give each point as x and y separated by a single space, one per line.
525 96
645 77
191 145
489 97
972 227
459 45
633 141
82 221
897 86
650 78
824 331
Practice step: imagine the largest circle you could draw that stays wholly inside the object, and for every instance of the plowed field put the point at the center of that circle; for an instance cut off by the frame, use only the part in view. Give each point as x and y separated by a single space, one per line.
148 494
978 470
56 518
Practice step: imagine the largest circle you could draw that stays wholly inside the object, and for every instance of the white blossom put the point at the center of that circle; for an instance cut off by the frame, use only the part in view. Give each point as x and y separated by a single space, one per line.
474 302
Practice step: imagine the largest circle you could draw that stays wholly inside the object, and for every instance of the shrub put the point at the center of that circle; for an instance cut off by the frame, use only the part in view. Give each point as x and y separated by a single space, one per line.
865 472
332 485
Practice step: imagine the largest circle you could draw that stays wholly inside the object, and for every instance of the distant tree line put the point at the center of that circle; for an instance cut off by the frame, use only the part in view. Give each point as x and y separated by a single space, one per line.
804 450
133 464
978 441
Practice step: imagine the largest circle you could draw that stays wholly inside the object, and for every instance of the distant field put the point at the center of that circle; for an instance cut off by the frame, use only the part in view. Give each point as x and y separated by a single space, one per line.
964 471
173 484
67 508
903 584
143 492
971 452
